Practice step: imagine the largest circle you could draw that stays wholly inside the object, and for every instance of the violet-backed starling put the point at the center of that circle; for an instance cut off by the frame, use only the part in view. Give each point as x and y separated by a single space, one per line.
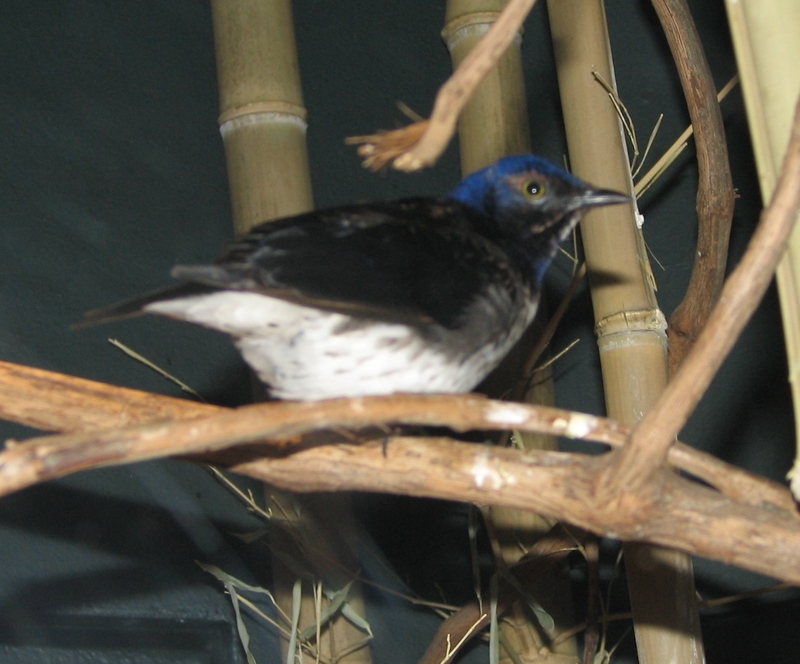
412 295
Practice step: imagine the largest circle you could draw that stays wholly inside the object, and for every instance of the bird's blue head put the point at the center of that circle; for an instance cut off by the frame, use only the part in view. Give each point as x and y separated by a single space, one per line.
534 203
481 189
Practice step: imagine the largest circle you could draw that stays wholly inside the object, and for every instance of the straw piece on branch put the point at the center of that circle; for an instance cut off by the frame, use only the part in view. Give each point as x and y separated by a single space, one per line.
678 145
419 145
637 463
715 195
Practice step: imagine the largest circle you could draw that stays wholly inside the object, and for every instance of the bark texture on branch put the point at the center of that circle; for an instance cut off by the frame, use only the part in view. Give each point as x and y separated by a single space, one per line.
684 515
715 195
56 402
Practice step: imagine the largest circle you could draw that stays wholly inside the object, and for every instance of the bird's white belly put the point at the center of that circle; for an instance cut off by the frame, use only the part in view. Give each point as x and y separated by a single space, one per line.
306 353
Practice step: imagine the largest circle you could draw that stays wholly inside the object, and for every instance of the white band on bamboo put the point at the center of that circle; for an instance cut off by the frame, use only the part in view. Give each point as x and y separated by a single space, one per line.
625 329
469 25
269 112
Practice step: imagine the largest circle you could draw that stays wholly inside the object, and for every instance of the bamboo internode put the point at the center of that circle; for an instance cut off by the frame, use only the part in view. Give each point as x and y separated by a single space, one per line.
262 117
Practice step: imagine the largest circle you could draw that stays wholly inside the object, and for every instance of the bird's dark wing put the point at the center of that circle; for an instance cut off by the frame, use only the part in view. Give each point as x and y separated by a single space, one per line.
133 306
413 261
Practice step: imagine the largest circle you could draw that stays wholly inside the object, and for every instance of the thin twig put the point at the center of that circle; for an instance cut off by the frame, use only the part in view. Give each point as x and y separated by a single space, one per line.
672 152
420 144
152 365
550 329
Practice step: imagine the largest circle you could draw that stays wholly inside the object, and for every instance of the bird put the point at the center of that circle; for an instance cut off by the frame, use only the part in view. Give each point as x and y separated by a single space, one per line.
411 295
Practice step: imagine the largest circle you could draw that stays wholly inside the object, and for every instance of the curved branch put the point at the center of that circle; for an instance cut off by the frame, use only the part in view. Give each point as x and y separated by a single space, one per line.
684 515
715 195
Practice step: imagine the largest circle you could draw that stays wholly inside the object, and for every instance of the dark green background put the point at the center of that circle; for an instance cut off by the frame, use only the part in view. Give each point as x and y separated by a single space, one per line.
112 170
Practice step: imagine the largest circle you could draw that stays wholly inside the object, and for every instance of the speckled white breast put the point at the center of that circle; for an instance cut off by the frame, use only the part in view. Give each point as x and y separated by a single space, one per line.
306 354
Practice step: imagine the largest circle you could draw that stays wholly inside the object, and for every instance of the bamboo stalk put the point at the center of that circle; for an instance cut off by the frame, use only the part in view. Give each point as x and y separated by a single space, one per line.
493 124
768 54
630 327
263 126
262 118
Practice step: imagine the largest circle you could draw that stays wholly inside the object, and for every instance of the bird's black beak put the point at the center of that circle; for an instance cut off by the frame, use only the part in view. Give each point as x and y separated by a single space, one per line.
596 197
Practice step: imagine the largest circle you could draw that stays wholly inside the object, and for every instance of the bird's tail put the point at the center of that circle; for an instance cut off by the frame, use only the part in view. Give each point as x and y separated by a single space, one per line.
133 306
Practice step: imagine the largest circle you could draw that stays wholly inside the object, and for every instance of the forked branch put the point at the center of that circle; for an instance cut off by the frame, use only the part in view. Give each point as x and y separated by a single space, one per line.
111 425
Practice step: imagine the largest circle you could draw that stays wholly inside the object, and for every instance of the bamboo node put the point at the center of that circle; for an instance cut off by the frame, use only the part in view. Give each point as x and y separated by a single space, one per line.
263 112
476 23
640 320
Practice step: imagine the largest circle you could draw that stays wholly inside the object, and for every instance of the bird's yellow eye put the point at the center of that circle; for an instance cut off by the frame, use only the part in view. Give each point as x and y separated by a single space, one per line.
533 189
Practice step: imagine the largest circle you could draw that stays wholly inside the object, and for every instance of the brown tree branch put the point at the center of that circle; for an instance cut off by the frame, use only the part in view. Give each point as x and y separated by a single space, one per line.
684 515
715 195
49 400
282 424
53 401
639 461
